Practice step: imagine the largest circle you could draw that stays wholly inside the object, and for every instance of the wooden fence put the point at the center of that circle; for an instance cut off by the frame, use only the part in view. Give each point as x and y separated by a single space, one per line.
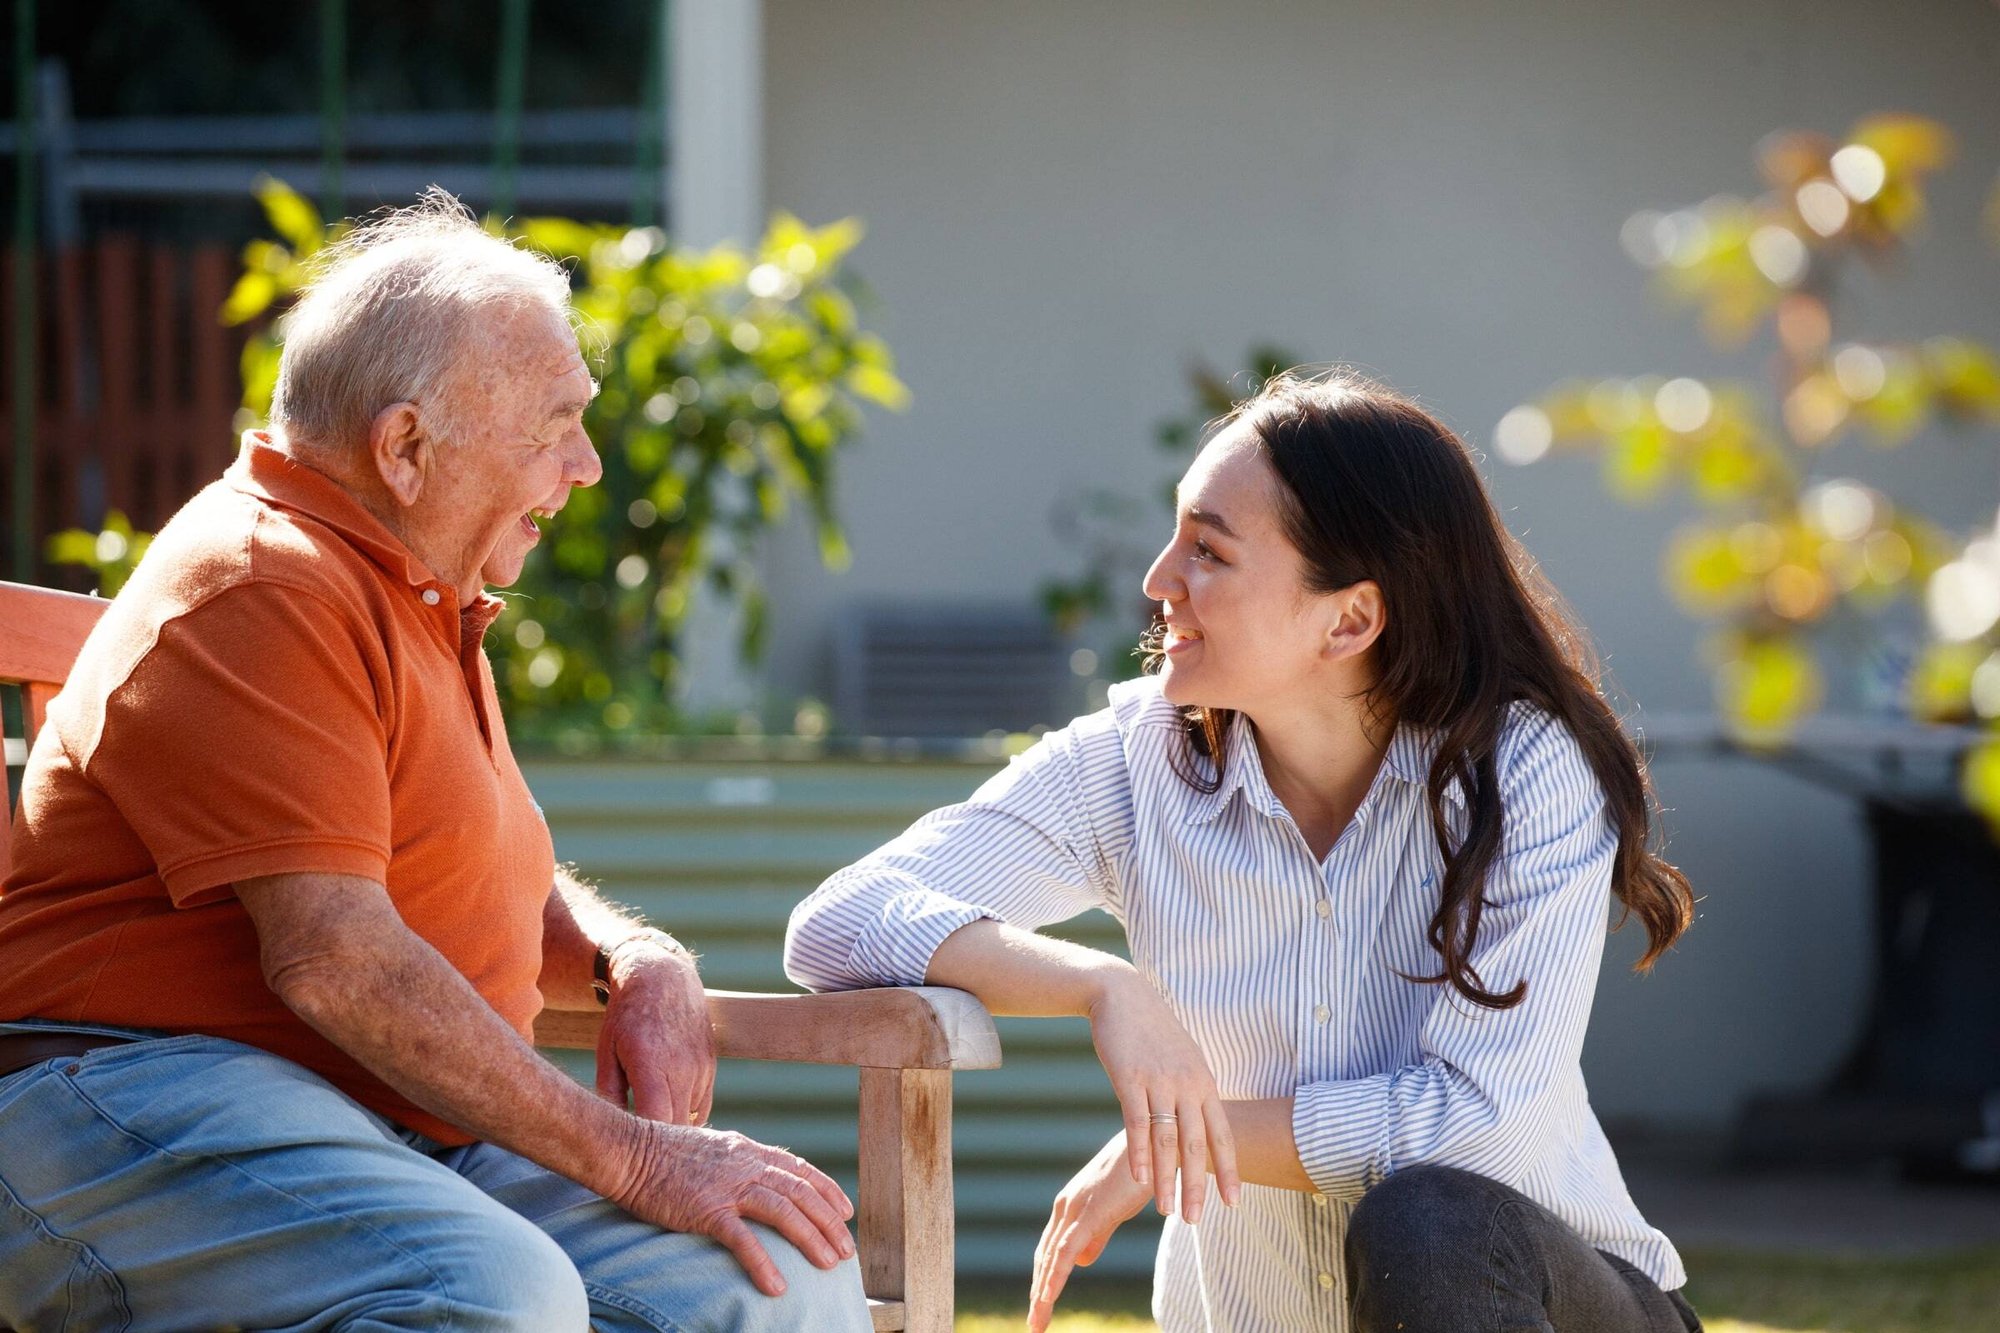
137 380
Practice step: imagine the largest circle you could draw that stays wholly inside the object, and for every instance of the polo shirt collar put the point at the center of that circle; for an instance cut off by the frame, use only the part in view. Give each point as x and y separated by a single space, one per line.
279 479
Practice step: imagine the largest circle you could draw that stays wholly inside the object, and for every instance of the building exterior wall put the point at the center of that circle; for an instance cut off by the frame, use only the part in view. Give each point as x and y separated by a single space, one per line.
1067 203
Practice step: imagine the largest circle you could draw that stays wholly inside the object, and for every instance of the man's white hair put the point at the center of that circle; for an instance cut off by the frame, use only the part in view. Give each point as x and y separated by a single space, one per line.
385 317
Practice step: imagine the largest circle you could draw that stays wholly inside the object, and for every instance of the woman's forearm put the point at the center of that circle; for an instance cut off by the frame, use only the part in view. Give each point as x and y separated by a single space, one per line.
1020 973
1266 1151
1017 972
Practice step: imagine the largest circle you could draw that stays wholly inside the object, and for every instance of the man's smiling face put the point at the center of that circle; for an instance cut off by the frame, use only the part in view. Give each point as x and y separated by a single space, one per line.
521 445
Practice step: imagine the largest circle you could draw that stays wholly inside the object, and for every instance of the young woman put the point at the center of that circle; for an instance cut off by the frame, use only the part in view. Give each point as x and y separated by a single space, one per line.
1362 828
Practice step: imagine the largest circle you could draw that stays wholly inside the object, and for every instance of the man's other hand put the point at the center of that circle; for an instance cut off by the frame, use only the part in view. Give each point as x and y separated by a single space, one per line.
709 1181
656 1045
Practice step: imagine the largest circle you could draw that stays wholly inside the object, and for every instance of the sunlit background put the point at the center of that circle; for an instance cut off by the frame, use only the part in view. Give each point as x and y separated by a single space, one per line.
908 315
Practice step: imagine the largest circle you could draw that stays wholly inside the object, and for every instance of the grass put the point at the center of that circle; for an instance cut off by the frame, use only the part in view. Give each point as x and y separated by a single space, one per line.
1735 1292
1745 1293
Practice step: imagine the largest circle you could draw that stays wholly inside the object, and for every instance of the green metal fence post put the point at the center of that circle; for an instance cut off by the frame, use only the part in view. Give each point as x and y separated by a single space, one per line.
509 90
24 290
333 107
648 157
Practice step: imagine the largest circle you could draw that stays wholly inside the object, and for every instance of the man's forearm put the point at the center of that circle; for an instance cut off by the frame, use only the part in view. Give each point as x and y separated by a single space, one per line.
576 923
399 1008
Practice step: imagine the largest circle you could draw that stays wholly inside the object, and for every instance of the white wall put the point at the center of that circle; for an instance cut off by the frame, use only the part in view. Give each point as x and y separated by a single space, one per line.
1067 202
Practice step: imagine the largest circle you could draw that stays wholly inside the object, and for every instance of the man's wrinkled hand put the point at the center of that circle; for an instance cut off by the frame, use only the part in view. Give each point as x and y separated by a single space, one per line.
708 1182
655 1045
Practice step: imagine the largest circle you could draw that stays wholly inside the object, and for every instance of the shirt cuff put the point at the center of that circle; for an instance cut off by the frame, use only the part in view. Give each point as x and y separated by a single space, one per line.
896 946
1342 1133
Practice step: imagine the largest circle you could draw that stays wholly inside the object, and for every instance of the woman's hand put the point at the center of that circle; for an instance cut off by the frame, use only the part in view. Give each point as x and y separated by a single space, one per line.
1174 1120
1092 1206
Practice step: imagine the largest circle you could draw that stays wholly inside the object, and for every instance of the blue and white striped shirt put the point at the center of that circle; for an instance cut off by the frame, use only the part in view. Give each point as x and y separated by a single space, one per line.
1284 970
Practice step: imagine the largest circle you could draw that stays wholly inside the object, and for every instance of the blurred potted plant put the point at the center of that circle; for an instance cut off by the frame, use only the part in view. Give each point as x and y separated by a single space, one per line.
1788 553
1790 559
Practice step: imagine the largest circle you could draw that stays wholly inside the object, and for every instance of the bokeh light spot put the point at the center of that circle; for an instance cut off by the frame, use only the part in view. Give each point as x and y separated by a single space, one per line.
1822 206
1859 171
1523 435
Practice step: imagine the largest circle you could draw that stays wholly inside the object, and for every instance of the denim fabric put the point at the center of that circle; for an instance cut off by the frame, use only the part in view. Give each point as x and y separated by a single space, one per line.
193 1182
1433 1249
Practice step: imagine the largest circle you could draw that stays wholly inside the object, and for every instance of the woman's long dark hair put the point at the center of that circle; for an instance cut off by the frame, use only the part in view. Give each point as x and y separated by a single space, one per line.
1375 488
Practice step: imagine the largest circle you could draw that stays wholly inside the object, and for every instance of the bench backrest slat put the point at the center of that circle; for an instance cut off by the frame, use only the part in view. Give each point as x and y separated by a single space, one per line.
41 632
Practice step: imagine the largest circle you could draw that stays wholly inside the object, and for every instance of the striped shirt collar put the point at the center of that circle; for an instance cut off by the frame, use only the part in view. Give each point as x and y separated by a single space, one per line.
1408 760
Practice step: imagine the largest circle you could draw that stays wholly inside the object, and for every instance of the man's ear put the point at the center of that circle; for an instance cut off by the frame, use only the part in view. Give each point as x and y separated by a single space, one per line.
401 451
1359 618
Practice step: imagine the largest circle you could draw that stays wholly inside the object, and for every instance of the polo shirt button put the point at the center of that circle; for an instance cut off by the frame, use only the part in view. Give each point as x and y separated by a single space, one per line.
1321 1013
1324 908
430 596
1326 1280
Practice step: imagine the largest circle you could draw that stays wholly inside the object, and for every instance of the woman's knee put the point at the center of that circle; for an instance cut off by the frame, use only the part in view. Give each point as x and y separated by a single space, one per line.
1423 1207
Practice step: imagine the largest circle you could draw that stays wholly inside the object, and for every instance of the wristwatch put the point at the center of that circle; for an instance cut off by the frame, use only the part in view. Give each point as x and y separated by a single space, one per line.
600 977
600 966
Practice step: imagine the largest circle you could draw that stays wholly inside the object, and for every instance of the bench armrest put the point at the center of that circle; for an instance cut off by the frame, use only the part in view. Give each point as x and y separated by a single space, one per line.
907 1041
914 1027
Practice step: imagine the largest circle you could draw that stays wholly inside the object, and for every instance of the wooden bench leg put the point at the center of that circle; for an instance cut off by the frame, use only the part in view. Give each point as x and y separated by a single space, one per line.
905 1209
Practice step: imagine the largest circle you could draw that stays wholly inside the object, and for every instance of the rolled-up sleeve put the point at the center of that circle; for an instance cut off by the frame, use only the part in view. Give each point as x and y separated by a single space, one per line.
1480 1098
1039 842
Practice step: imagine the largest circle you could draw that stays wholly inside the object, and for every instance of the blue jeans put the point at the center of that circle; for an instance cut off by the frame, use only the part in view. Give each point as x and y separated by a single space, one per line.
191 1182
1433 1249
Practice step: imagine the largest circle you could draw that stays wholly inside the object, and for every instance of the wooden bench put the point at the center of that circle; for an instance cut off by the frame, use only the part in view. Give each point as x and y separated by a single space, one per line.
906 1043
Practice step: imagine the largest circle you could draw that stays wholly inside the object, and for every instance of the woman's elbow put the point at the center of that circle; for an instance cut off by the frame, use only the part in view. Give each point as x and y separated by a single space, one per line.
814 959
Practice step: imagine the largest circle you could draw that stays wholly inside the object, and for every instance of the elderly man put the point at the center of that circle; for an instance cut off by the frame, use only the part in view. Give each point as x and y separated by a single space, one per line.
282 910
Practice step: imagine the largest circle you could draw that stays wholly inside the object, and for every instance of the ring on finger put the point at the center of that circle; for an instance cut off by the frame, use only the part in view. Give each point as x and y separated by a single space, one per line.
1163 1118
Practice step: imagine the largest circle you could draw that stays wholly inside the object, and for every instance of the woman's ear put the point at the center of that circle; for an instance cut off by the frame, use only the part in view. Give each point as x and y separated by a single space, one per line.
400 449
1359 617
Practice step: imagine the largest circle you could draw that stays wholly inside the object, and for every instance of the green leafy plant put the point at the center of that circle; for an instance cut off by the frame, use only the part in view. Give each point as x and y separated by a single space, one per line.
731 381
111 554
1789 559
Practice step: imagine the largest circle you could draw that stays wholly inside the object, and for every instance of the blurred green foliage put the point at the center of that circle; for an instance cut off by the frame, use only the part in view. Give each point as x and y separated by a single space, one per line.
730 381
1784 552
1116 534
111 554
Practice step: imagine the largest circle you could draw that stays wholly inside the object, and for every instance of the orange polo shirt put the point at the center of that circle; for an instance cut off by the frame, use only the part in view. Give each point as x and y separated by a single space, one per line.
281 688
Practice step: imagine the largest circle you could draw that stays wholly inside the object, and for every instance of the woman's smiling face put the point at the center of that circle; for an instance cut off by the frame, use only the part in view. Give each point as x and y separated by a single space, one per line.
1243 631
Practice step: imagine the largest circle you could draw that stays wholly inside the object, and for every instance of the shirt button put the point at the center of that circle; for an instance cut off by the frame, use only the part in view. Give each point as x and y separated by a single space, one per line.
1326 1280
430 596
1321 1013
1319 1200
1324 908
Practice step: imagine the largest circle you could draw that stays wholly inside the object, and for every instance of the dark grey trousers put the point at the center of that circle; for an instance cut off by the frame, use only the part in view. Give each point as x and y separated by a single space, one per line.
1433 1249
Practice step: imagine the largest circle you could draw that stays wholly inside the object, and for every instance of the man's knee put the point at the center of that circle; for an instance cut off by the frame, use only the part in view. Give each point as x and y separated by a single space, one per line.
818 1298
491 1273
